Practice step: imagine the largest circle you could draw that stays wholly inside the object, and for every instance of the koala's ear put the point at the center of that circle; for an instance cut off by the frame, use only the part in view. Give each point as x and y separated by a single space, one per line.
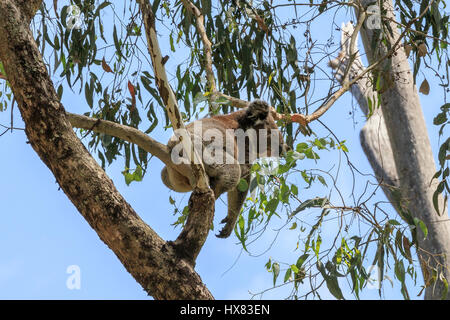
257 111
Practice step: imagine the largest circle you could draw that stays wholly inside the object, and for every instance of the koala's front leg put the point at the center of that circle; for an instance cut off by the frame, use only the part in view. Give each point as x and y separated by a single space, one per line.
236 199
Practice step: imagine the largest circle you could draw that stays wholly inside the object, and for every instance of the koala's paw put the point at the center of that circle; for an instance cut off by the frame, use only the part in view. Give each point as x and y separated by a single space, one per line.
226 230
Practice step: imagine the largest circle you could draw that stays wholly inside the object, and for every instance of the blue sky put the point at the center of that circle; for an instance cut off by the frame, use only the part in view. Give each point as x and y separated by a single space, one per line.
41 232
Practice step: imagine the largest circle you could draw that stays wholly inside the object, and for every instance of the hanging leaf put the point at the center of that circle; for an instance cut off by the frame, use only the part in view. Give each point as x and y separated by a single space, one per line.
408 49
419 223
422 50
331 281
424 87
131 89
406 247
105 66
276 272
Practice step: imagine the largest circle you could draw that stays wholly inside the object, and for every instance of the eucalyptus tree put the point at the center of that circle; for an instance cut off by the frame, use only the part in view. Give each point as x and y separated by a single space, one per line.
228 53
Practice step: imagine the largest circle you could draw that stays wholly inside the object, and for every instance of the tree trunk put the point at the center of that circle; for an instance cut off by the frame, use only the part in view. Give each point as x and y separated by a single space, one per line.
412 155
151 261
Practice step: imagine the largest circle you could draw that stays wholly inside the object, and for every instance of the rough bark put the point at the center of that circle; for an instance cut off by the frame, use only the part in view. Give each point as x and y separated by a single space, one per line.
150 260
198 224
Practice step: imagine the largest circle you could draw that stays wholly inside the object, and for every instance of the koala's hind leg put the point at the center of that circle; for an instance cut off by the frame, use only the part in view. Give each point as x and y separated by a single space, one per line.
236 199
223 177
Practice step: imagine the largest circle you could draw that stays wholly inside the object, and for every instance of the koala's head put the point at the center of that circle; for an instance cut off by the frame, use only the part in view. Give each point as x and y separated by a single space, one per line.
258 116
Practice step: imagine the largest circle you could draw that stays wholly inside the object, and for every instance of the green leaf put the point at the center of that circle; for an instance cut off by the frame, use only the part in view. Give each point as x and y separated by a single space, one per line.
322 181
116 42
419 223
276 272
443 152
331 281
272 205
172 47
440 119
128 178
253 184
436 200
294 189
268 264
138 173
394 222
88 93
316 202
445 282
301 260
60 91
400 271
64 13
317 247
243 185
287 275
155 5
301 147
241 224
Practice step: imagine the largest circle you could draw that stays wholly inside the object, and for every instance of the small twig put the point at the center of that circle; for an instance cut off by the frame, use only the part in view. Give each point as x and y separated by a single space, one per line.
352 49
4 132
416 31
346 86
12 113
14 128
200 19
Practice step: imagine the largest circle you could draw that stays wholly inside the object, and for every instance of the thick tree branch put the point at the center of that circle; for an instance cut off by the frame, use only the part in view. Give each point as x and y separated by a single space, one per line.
130 134
151 261
28 7
123 132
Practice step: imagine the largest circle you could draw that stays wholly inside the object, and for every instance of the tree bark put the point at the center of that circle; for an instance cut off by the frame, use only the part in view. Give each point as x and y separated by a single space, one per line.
373 136
412 154
150 260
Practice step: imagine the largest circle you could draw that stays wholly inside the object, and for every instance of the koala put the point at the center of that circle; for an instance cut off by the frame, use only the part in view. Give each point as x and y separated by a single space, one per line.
228 146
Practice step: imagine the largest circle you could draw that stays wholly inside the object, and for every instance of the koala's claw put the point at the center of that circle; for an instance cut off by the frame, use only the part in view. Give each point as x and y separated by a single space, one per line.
224 220
226 230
